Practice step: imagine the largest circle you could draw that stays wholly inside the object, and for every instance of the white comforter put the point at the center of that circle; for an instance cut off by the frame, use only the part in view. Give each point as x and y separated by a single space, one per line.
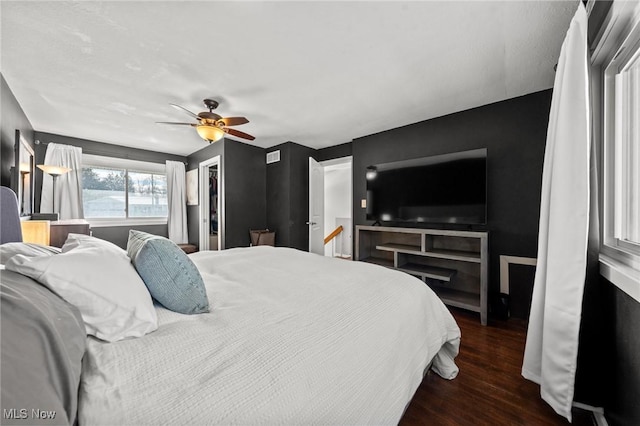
292 338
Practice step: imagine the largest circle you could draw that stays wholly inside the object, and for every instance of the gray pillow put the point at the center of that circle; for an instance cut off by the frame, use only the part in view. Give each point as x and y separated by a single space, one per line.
8 250
171 277
43 342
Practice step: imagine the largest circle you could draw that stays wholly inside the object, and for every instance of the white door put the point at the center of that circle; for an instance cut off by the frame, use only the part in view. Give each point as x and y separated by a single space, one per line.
316 207
204 198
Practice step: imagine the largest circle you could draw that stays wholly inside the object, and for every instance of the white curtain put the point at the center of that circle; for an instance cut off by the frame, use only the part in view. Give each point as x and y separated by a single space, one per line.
68 201
177 200
551 350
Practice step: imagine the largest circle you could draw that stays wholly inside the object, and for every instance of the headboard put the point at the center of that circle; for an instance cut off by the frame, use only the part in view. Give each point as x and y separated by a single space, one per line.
10 230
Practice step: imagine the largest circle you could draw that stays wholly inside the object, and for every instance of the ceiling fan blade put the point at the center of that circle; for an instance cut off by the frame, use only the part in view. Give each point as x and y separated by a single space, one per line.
185 110
239 134
179 124
234 121
205 115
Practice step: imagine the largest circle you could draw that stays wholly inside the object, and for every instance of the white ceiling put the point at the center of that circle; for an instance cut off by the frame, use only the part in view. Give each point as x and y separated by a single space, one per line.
311 72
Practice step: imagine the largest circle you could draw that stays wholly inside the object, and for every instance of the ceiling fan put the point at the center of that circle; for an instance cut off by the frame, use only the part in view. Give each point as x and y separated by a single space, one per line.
211 126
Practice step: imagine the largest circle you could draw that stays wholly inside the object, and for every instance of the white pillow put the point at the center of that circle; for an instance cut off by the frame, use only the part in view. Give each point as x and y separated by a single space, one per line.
98 278
84 240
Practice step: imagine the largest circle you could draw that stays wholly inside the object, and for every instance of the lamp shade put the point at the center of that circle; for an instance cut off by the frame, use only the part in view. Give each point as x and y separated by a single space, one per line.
210 133
53 170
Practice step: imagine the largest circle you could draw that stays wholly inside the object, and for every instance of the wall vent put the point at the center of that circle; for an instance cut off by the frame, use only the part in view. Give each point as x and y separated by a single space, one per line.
273 157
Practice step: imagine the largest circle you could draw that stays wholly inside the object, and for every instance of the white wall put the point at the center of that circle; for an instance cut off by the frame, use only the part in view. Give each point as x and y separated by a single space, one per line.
337 204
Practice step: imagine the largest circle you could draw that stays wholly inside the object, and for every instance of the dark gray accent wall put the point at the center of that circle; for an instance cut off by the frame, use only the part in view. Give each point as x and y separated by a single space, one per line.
193 212
622 366
336 151
119 235
610 323
243 182
514 132
244 192
106 149
95 148
116 234
13 118
288 195
279 195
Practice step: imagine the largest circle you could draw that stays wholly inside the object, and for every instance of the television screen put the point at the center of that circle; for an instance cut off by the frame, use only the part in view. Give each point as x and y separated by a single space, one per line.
442 189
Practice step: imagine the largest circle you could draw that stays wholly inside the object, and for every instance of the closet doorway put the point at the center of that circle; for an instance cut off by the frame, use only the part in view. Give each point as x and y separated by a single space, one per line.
210 197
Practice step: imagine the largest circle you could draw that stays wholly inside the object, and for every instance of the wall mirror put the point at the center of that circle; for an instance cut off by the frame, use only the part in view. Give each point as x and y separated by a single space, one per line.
25 163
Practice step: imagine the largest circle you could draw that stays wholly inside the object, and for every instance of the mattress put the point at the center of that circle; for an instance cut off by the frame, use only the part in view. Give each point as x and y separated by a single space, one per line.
292 338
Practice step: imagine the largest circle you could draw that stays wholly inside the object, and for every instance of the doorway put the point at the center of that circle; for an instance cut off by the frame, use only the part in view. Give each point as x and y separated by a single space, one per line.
331 191
211 212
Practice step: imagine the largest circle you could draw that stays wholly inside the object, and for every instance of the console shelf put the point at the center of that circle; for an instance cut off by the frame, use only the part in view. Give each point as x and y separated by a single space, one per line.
425 271
453 263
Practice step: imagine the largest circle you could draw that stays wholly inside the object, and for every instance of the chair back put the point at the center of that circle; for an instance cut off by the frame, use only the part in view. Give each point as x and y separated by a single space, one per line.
10 230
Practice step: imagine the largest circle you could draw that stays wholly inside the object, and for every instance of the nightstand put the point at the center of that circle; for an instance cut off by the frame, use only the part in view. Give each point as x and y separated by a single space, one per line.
61 228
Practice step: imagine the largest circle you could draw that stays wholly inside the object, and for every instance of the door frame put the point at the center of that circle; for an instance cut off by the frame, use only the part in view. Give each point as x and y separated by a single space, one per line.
311 225
204 201
339 161
332 162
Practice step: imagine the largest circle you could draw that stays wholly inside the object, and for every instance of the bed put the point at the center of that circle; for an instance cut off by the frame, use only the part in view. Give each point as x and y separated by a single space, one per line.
289 338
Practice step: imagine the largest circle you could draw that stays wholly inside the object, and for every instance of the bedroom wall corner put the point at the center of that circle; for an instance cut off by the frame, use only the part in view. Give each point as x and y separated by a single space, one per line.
94 148
193 212
279 195
333 152
514 132
115 234
299 200
622 364
288 195
12 118
244 192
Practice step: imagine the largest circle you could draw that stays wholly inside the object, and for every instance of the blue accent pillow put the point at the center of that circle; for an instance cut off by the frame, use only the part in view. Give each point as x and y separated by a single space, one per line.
171 277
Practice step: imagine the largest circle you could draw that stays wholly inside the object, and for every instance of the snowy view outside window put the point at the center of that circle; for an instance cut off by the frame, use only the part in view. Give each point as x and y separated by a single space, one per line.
104 193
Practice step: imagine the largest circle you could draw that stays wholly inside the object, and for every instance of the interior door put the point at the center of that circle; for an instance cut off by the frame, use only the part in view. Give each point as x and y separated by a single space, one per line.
204 201
316 207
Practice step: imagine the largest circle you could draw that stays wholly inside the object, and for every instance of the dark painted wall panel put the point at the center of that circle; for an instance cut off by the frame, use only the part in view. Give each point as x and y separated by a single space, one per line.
288 195
244 192
622 327
336 151
107 149
95 148
193 212
13 118
278 195
119 235
243 182
116 234
299 198
513 131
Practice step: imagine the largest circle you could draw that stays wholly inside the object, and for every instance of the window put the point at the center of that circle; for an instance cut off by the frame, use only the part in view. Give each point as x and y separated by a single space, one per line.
620 120
623 145
147 195
120 190
103 192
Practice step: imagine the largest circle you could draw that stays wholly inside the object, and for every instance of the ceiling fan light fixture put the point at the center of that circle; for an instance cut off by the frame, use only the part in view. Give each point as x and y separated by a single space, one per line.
210 133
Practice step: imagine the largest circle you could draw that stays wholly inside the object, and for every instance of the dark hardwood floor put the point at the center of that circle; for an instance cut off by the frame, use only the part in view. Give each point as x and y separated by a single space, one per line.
489 389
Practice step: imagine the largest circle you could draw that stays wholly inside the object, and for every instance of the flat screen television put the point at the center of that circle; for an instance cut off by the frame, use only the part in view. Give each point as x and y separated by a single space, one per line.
442 189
